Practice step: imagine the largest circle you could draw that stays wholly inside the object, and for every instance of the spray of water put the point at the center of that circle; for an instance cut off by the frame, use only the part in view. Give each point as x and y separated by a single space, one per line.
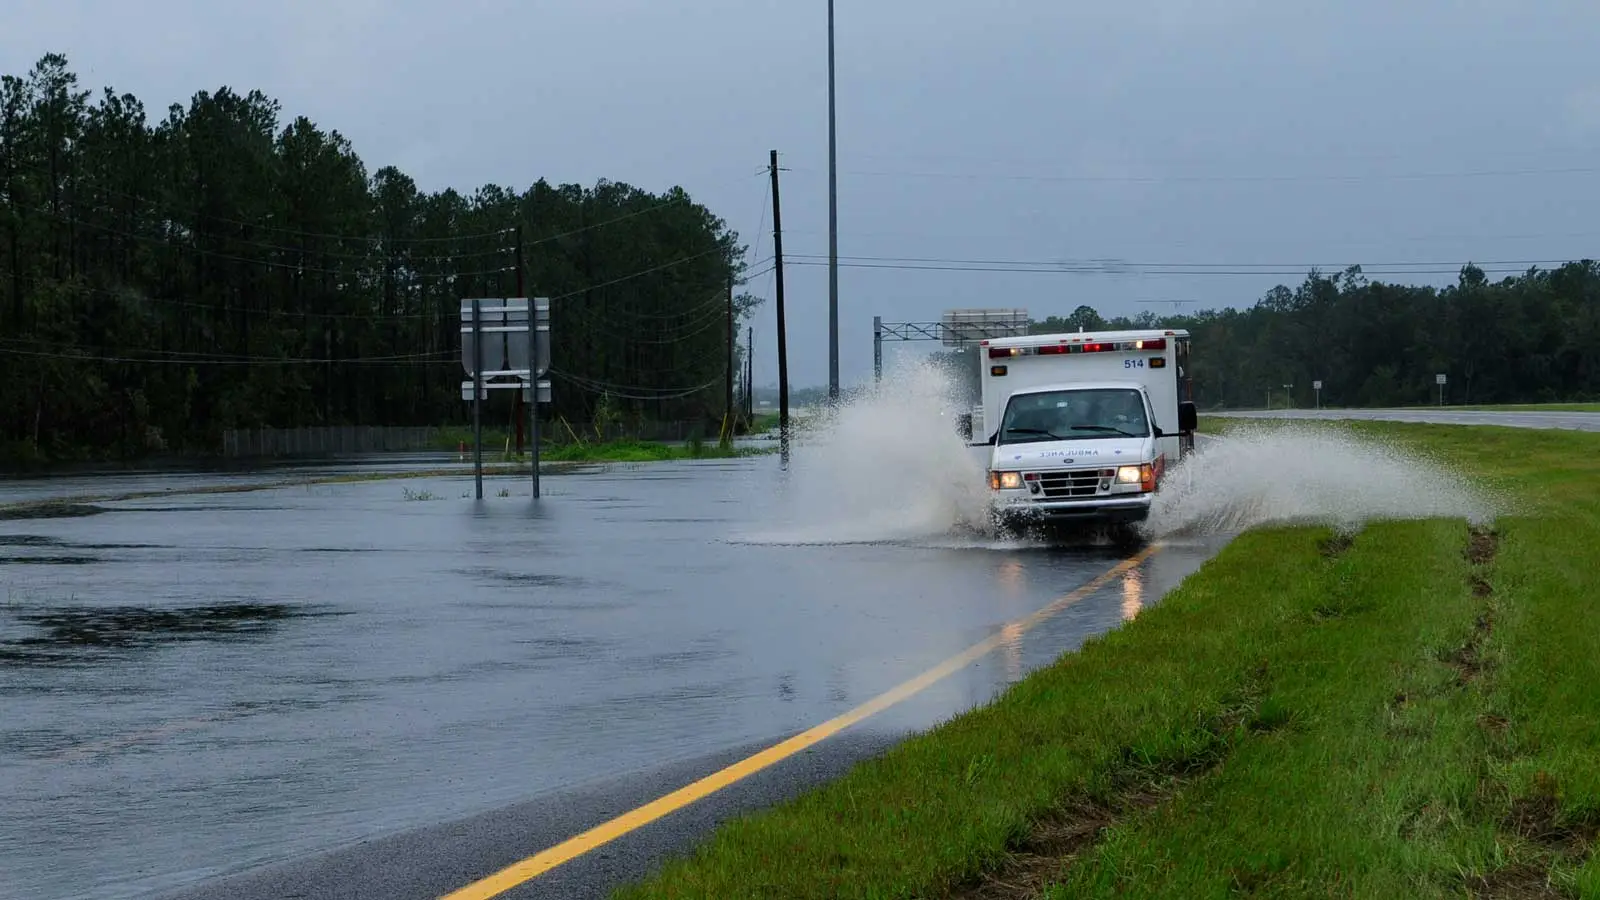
891 467
1307 474
888 466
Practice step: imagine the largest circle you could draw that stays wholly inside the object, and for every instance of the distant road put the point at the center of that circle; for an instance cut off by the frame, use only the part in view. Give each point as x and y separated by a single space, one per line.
1574 421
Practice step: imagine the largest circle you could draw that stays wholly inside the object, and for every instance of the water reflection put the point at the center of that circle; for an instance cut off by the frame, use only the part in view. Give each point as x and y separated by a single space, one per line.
1132 593
1011 650
1013 576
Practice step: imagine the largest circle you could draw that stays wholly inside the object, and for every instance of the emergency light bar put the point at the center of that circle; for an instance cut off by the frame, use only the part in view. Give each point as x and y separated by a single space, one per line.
1099 347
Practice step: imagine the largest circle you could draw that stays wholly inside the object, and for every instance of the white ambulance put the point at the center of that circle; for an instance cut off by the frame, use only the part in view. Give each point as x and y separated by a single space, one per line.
1082 427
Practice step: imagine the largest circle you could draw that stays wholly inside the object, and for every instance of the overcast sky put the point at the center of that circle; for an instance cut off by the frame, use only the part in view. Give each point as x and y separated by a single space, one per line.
1155 132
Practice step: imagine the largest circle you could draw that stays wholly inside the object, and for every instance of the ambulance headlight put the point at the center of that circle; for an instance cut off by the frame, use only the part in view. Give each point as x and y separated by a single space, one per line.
1129 475
1005 481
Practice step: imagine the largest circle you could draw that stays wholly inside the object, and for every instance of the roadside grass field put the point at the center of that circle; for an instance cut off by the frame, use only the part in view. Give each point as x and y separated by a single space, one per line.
646 451
1409 711
1530 407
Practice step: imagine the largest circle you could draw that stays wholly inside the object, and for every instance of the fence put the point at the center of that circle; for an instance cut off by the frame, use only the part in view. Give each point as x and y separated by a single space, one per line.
336 440
351 440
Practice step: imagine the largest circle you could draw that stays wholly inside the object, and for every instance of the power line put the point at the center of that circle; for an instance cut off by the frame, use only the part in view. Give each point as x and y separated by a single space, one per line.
639 274
1104 263
1189 160
83 354
634 392
375 256
1222 179
198 217
1060 270
170 206
130 296
635 214
179 246
712 307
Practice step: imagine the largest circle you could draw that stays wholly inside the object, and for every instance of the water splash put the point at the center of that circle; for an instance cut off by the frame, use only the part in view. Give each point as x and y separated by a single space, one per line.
886 467
1307 474
889 467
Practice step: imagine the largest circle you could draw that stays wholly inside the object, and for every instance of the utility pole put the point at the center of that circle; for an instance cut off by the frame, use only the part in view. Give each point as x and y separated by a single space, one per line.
783 348
516 405
477 395
877 349
727 400
750 374
833 232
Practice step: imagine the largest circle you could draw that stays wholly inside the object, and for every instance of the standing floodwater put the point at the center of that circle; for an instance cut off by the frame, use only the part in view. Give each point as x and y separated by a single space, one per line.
195 684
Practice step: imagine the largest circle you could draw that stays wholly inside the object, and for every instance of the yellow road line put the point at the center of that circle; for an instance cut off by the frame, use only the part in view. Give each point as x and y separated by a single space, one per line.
527 869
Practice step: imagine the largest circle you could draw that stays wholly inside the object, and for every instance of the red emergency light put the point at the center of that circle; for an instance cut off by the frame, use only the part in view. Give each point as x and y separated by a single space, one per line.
1094 347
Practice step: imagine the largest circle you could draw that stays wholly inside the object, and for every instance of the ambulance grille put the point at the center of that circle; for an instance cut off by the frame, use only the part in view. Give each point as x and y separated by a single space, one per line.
1069 483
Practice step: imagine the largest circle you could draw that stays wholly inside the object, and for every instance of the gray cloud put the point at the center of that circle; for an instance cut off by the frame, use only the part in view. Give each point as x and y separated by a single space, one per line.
1156 131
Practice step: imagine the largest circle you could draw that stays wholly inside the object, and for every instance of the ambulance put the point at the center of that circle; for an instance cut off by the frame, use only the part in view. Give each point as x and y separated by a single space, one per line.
1082 428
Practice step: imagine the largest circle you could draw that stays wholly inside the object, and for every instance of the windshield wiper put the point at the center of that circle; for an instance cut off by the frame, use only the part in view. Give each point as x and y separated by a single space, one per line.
1103 428
1050 434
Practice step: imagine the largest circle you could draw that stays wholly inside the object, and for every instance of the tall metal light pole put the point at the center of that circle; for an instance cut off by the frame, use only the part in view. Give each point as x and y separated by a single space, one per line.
833 231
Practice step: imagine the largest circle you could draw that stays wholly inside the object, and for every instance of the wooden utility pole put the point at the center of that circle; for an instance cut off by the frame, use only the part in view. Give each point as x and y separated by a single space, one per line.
783 348
477 395
516 405
728 415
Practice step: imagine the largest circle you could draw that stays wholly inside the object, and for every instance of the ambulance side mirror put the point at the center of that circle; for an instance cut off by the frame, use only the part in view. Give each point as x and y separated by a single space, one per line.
964 426
1188 417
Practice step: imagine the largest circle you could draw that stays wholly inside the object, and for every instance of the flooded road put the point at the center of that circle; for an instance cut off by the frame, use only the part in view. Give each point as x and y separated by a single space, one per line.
200 683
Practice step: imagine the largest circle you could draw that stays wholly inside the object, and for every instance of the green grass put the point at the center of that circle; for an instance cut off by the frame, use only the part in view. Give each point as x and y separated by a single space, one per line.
1303 716
644 451
1536 407
1508 407
453 437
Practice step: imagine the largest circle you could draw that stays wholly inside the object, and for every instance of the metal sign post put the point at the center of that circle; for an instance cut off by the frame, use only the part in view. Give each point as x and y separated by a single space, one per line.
877 349
1439 379
1316 387
477 395
517 335
539 364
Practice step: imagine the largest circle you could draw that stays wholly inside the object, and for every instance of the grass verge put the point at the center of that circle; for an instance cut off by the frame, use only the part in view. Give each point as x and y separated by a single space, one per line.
1531 407
645 451
1406 713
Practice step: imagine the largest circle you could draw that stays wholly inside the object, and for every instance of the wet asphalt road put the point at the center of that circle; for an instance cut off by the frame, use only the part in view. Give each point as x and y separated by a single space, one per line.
1580 421
386 689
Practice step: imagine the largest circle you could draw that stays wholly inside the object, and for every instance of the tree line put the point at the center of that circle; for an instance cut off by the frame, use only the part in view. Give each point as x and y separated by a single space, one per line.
164 281
1528 338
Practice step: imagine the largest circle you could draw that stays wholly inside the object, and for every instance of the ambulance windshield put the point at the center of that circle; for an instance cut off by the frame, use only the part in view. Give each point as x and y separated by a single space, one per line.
1069 415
